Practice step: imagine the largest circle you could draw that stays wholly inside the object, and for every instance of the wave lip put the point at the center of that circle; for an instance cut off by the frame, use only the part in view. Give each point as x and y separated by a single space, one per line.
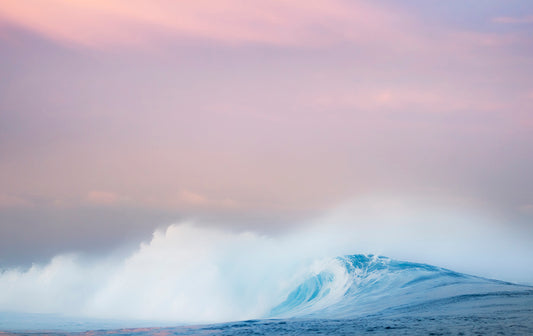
358 285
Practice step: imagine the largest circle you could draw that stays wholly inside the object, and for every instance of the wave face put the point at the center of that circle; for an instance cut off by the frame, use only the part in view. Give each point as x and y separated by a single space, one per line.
360 285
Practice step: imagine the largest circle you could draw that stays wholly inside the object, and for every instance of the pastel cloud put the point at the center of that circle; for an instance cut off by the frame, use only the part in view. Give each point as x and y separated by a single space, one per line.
103 197
430 100
10 201
100 23
527 208
190 199
514 20
183 200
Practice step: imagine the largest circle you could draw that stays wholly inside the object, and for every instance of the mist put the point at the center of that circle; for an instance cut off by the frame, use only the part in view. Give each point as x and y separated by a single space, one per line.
193 272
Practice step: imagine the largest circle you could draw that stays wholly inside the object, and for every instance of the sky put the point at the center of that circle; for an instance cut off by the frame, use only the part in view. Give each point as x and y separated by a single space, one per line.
121 117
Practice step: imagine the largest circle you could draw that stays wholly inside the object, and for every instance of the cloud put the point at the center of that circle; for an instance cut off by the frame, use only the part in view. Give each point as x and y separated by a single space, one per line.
11 201
187 198
190 197
429 100
514 20
184 200
100 197
120 22
527 208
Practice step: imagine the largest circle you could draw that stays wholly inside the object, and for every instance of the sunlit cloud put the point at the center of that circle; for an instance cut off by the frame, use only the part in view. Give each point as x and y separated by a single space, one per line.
187 199
100 197
108 23
428 100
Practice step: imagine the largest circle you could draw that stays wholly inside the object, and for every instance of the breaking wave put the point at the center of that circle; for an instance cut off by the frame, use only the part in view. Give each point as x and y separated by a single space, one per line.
358 285
193 274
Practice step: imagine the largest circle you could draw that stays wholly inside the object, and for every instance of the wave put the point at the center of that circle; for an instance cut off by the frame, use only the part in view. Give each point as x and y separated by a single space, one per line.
192 274
348 287
359 285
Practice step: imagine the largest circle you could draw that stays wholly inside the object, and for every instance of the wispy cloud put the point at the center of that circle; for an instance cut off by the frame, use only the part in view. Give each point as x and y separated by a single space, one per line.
514 19
189 199
100 197
104 23
10 201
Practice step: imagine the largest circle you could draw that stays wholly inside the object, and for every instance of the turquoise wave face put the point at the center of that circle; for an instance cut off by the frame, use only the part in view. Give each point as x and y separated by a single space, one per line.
358 285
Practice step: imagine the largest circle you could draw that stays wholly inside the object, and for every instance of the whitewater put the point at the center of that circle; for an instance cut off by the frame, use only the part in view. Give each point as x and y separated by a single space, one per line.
195 279
353 294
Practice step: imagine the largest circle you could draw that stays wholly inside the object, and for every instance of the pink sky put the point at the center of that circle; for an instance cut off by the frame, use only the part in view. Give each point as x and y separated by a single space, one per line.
101 24
270 109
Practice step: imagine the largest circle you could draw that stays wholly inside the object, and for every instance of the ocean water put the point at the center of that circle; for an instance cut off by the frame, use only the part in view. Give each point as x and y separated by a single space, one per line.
349 295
